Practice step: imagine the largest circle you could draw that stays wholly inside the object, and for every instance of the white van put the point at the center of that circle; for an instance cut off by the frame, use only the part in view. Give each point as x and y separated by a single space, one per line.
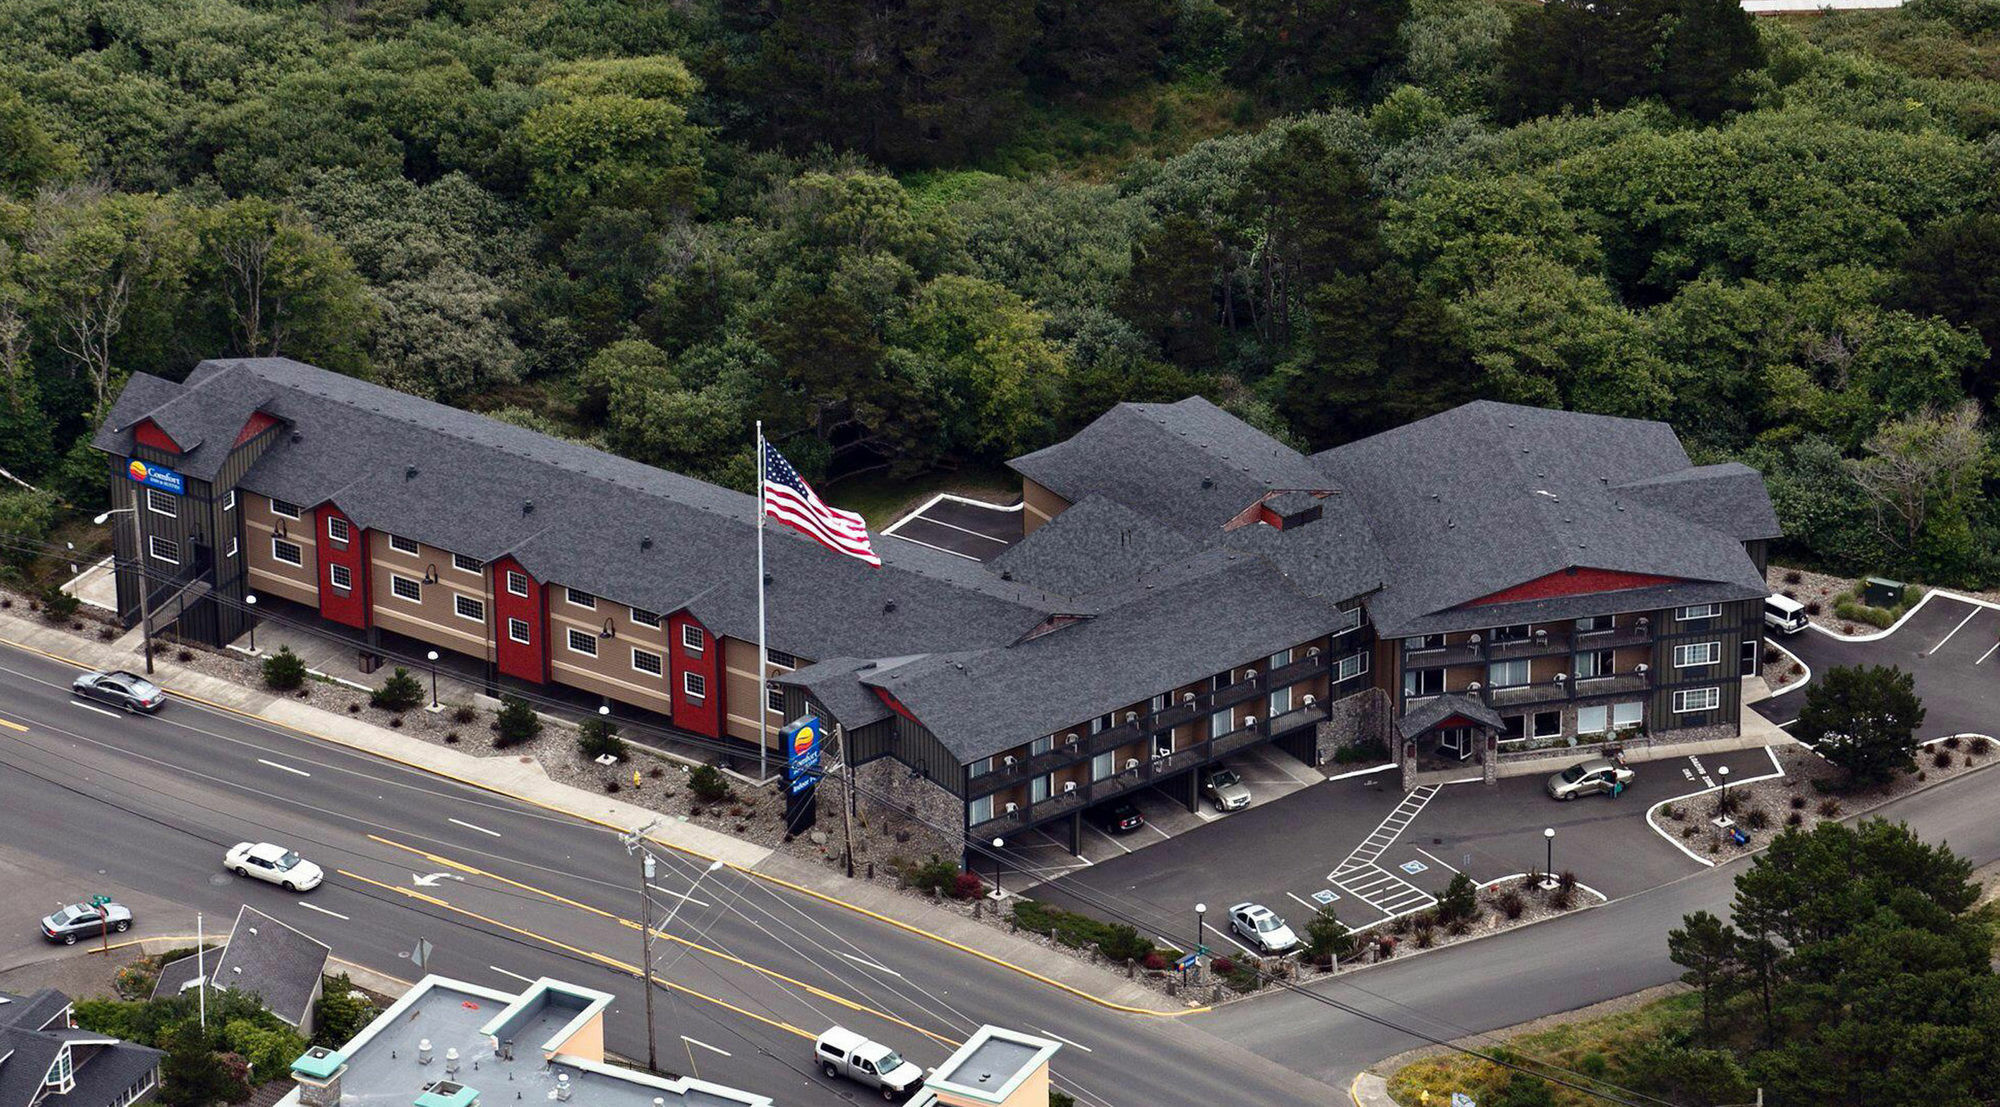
1784 614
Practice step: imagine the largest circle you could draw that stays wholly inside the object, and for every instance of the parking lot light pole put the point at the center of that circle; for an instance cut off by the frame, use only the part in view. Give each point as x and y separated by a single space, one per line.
434 680
250 600
1722 805
999 893
1549 860
1200 930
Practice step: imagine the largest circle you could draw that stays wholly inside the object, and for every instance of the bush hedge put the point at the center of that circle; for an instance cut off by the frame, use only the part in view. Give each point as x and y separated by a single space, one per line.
1116 941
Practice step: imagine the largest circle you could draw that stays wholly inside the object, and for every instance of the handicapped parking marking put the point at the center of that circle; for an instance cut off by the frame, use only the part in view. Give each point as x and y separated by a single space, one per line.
1324 896
1413 867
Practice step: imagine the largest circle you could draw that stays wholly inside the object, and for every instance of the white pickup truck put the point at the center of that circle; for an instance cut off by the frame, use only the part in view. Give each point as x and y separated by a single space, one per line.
842 1052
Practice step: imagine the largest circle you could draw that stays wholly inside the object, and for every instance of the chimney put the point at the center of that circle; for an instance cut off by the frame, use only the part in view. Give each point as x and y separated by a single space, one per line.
318 1073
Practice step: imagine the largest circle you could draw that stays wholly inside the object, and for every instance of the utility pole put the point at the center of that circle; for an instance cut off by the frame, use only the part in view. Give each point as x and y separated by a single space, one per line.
847 799
646 870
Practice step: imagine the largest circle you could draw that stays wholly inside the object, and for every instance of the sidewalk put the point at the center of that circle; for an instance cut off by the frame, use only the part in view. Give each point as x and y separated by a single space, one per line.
524 779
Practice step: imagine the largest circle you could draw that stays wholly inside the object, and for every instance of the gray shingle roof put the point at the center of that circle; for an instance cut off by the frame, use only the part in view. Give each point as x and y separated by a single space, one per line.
32 1011
102 1079
1437 709
1489 495
836 684
101 1073
1730 497
30 1053
1092 545
276 963
178 974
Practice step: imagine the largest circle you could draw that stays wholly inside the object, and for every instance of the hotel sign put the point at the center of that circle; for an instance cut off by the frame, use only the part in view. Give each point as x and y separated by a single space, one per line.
156 476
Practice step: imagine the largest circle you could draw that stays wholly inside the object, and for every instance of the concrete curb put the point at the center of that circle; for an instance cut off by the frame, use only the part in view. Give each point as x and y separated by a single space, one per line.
1370 1090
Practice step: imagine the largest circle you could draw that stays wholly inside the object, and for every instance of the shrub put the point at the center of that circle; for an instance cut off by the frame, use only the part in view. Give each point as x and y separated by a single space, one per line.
451 739
1941 759
1979 745
400 692
1124 943
1829 807
1673 811
1154 961
516 723
611 787
1221 965
1792 576
1460 901
396 723
184 655
284 670
1690 831
1757 819
1951 743
598 737
106 634
1370 750
1566 882
1798 803
59 606
1531 880
1327 937
707 782
933 876
1814 608
1796 818
1512 905
464 713
1771 655
1426 933
354 709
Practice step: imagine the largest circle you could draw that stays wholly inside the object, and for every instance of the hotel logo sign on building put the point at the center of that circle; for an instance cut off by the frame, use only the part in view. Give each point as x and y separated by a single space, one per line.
156 476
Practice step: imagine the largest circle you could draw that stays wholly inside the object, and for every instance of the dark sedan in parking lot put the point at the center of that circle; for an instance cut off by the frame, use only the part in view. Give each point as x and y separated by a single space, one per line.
1121 817
120 689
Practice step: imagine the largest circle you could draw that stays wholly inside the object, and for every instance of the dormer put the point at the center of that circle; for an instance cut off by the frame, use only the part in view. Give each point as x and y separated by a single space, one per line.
148 433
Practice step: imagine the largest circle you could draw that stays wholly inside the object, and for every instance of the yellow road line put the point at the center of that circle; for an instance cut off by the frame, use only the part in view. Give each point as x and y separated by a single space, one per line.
611 962
530 801
631 924
11 725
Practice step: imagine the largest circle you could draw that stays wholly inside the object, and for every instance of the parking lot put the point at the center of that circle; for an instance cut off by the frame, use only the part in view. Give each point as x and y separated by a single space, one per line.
1362 848
970 529
1950 645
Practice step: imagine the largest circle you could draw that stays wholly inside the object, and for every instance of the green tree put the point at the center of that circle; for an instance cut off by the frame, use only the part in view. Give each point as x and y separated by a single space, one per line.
1952 269
1307 53
1101 46
193 1075
340 1013
1692 54
1863 719
400 692
615 133
515 723
1327 938
1708 951
983 366
284 670
29 156
284 288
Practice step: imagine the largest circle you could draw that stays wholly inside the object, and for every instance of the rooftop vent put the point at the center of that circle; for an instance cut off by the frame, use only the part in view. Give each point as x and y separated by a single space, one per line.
298 436
889 607
646 543
1207 482
527 507
409 472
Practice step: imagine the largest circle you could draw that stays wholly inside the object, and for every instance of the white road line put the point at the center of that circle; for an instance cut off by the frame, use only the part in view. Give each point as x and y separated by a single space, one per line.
1158 831
1310 906
91 707
1363 772
1232 941
1066 1041
712 1049
1988 653
1108 838
677 895
324 911
1954 630
1435 857
285 768
867 964
470 826
509 972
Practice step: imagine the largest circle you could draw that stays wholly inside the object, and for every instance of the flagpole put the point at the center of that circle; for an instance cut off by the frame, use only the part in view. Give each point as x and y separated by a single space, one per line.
763 650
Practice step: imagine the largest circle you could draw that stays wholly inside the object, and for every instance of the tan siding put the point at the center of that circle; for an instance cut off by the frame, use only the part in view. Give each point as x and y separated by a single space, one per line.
434 620
739 659
1039 505
267 573
610 673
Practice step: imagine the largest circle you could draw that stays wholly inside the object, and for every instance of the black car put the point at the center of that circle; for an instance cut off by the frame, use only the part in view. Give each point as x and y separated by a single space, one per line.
120 689
1117 818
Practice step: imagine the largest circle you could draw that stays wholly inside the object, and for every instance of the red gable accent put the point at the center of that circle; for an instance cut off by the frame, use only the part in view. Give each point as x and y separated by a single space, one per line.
148 433
1572 582
258 424
894 705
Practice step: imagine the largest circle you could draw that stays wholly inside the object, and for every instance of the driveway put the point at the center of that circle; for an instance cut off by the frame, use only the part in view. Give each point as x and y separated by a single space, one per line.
1952 646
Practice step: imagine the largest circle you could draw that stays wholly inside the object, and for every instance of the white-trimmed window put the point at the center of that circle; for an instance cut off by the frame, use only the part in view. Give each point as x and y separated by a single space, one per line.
1697 653
517 583
1595 719
780 657
465 607
645 618
648 662
1595 663
284 509
1698 611
979 810
580 599
1350 619
693 638
1627 715
1697 699
1422 682
466 564
229 499
337 529
287 552
517 629
1548 724
341 576
583 642
1351 666
1507 674
774 700
406 589
694 686
232 547
163 549
404 545
163 503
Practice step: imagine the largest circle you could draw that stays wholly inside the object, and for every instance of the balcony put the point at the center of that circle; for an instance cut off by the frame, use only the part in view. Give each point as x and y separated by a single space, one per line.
1543 644
1304 668
1518 694
1440 656
1613 636
1611 684
1104 741
1297 717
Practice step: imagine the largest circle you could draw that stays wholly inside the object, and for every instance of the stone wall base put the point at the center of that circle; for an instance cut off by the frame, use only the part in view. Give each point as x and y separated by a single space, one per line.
1357 718
897 814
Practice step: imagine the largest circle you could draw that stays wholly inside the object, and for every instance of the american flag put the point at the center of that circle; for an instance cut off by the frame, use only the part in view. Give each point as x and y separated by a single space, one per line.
791 501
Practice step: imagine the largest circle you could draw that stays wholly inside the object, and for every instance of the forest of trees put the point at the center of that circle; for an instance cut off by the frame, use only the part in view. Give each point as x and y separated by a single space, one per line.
926 234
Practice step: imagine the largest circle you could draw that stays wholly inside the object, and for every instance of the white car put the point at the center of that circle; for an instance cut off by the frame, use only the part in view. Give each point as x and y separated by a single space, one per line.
1262 928
274 864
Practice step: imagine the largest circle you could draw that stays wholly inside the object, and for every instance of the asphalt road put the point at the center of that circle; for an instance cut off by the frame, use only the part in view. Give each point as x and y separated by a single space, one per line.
143 808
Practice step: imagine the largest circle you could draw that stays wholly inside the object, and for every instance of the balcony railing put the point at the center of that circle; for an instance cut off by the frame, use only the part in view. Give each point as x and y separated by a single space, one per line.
1440 656
1541 645
1613 636
1611 683
1518 694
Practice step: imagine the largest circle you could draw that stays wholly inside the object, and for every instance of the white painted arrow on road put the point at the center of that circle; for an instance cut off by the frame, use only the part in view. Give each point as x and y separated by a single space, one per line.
430 880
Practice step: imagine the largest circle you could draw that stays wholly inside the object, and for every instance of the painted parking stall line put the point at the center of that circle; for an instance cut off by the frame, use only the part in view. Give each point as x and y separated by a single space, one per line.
1385 833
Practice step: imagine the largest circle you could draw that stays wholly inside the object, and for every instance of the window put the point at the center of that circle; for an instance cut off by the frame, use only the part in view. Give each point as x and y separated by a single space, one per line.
404 545
162 503
229 499
1594 663
406 589
1351 666
287 552
1507 674
1278 660
645 618
232 547
980 767
1625 716
341 576
1423 682
337 529
774 698
694 685
1548 724
1038 788
692 637
1513 728
517 583
517 629
1697 653
466 564
1697 699
284 508
164 549
1221 723
465 607
979 810
1519 632
1280 702
1749 657
1597 622
1423 642
583 642
780 657
1350 619
1699 611
646 661
1103 765
1592 720
580 599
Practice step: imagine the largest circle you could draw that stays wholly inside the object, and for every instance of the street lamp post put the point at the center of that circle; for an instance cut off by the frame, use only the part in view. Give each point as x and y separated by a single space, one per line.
998 845
1549 859
1200 928
250 599
1722 805
433 655
145 593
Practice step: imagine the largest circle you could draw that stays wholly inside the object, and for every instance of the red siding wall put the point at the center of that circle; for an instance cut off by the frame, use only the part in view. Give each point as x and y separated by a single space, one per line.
148 433
705 716
522 662
1573 582
350 608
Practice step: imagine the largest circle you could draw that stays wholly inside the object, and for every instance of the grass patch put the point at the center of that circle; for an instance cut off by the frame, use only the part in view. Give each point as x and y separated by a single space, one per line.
1587 1044
882 499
